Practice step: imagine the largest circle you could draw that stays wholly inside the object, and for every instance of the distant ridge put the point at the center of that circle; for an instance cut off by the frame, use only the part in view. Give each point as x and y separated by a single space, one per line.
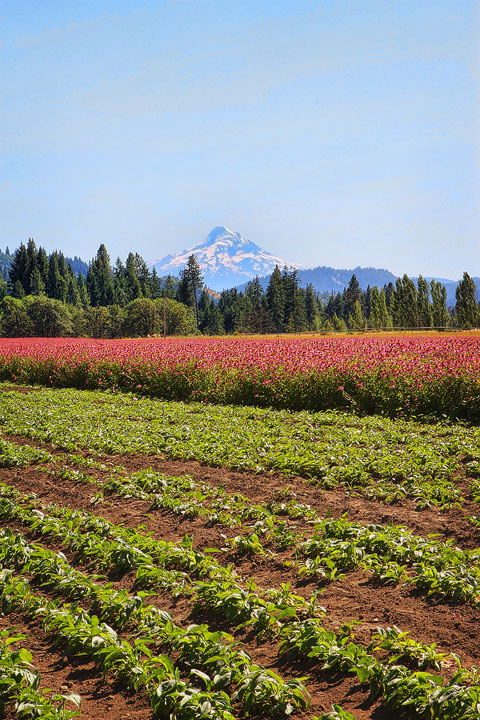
332 280
327 280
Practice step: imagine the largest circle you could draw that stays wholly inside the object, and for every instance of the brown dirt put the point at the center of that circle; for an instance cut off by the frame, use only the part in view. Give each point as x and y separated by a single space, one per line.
261 488
63 675
453 627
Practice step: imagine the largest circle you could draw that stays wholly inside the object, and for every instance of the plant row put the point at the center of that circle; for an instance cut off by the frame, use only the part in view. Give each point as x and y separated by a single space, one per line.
386 459
428 694
221 592
196 648
20 684
334 546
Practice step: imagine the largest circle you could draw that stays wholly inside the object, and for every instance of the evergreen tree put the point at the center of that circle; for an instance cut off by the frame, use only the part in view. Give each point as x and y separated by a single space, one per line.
191 281
119 283
374 317
295 314
351 295
169 287
256 318
276 300
42 264
404 303
215 325
366 302
57 285
31 266
335 306
3 288
156 285
356 321
338 324
228 306
212 323
384 314
389 291
100 279
203 310
467 312
18 291
423 303
37 286
133 288
254 292
18 272
379 317
82 291
311 309
440 315
72 296
143 275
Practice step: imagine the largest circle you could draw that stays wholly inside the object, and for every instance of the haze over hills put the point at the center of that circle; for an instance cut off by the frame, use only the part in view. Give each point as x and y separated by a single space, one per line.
327 279
226 259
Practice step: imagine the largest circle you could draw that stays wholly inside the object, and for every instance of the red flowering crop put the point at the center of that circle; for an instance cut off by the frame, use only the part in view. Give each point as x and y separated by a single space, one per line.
371 374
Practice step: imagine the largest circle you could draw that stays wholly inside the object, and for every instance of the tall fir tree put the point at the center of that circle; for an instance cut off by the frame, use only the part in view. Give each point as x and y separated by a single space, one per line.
18 272
100 280
440 316
351 295
424 307
404 303
467 313
356 321
191 282
275 295
133 288
311 309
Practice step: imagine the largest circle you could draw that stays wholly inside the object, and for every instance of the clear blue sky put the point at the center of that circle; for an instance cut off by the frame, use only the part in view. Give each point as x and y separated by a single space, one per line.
335 133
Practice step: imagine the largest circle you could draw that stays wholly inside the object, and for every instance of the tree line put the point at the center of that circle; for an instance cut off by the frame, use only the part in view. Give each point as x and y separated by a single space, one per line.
44 296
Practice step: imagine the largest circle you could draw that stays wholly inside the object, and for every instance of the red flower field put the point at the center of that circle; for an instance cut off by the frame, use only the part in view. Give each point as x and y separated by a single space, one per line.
398 375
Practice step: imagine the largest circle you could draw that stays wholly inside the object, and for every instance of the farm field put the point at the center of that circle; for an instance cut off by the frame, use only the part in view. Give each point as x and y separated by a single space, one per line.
192 560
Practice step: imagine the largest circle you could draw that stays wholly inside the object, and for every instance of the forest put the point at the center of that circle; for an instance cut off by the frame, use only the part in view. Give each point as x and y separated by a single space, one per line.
52 296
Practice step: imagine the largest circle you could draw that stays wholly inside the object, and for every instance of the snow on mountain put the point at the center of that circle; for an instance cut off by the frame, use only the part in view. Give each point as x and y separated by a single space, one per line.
226 259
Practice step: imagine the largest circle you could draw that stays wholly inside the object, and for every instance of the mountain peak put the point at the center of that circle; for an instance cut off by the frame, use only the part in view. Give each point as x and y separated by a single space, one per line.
220 233
226 259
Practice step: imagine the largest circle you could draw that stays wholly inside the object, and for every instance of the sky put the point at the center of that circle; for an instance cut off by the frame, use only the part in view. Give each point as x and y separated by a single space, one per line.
330 132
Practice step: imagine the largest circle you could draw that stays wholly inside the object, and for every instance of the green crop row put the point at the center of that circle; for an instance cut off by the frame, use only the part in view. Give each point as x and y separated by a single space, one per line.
20 685
426 693
195 648
134 664
222 593
338 653
384 458
334 547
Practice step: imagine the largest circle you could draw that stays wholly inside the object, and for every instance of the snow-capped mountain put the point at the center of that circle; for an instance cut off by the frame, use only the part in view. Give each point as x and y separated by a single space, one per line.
226 259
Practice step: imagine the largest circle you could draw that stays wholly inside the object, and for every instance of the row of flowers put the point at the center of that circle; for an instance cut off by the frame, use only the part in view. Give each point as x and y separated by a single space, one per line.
395 375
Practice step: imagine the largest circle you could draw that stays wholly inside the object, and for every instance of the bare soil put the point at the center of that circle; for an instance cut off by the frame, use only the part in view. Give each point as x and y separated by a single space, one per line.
452 626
